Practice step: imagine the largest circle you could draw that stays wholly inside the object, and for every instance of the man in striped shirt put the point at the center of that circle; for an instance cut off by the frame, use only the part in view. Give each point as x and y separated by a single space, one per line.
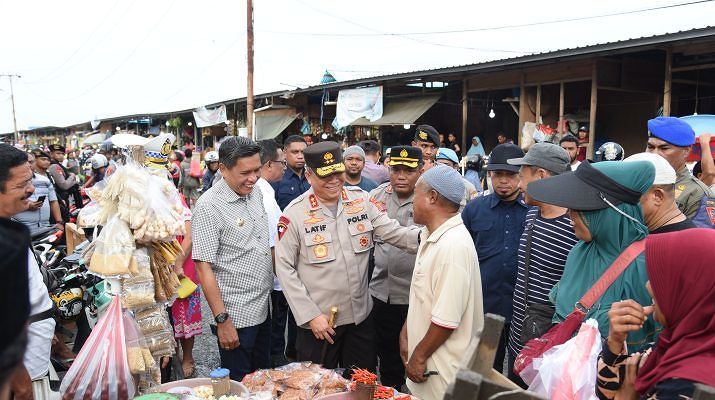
545 244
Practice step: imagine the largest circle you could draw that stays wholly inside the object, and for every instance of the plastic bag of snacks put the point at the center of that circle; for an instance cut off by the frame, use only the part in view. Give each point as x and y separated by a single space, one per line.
138 356
113 250
137 293
164 220
101 370
152 320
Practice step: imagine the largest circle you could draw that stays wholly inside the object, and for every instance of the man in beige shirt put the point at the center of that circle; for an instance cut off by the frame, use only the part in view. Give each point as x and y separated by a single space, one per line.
390 283
445 310
324 241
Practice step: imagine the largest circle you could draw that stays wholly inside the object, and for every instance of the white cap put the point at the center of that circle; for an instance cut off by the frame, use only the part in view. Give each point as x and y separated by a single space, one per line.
664 173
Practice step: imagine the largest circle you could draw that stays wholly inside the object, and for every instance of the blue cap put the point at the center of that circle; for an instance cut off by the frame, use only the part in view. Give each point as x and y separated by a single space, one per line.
447 154
446 181
219 373
672 130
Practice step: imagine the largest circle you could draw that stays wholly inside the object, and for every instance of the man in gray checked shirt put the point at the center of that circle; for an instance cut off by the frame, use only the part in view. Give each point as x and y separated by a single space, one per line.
234 260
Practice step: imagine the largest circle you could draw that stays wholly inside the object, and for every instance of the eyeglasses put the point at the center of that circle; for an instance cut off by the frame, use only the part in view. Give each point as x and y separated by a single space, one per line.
282 162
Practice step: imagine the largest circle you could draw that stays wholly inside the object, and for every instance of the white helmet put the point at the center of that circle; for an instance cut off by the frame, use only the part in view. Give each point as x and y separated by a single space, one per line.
211 156
98 161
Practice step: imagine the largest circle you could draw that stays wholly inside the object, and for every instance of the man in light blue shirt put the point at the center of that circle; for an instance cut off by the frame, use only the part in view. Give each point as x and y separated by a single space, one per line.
44 208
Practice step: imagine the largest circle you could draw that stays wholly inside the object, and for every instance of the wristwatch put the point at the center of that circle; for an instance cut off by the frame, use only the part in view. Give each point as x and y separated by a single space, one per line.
221 318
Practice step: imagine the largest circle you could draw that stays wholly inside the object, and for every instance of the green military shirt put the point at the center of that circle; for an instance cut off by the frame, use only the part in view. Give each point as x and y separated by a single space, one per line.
689 192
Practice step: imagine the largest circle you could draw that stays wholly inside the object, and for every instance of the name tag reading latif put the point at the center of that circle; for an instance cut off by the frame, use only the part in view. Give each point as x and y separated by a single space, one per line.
240 222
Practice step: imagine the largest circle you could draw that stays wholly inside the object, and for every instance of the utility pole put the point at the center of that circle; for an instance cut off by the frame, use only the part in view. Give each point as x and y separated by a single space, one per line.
12 100
249 60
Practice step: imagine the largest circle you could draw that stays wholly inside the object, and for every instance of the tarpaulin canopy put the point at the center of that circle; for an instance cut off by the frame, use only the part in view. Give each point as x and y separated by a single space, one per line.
401 111
272 121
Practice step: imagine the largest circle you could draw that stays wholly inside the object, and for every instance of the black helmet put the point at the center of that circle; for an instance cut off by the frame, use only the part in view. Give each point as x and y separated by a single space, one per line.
609 151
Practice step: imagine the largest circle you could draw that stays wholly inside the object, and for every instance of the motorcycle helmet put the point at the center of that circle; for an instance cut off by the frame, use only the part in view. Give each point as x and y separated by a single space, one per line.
68 303
98 161
609 151
211 156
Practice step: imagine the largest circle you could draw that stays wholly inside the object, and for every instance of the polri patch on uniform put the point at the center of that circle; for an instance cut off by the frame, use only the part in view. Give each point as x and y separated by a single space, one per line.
380 205
282 226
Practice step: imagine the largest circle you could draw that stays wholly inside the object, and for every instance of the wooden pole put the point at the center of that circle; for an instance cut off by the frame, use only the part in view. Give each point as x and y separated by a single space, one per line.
668 82
465 110
522 107
561 108
249 59
538 105
592 114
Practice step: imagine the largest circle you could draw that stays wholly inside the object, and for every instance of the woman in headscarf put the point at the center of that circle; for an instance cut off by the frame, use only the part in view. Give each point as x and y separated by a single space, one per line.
602 200
476 149
681 282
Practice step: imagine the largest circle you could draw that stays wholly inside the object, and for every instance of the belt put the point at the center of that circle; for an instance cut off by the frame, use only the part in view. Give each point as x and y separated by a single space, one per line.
49 313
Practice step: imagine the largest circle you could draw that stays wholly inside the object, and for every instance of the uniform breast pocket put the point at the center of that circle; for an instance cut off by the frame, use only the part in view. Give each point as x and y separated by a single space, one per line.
320 247
361 236
484 238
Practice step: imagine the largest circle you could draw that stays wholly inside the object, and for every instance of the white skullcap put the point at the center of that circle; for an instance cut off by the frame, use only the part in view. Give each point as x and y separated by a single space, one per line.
664 173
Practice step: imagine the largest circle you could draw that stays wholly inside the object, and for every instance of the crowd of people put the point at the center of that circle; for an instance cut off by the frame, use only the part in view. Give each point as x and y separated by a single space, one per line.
348 257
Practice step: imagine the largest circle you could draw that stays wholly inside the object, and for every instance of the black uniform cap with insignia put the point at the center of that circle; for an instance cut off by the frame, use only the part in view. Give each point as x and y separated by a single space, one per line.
56 147
426 133
325 158
408 156
38 152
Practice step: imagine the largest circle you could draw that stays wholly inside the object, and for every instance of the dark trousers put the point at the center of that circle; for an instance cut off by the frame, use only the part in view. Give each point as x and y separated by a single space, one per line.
512 375
253 351
354 346
389 319
292 333
501 350
278 323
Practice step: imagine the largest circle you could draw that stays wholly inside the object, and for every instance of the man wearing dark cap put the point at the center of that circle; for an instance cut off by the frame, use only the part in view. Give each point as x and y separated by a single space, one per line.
390 283
15 191
543 249
496 222
66 183
671 138
43 202
427 139
325 236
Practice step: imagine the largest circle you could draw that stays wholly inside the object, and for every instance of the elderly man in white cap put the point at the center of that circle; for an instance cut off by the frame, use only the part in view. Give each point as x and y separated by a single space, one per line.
445 309
660 210
354 158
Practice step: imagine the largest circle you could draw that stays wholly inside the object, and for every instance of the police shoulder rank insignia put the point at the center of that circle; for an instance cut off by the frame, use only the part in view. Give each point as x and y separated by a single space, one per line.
313 201
380 205
282 226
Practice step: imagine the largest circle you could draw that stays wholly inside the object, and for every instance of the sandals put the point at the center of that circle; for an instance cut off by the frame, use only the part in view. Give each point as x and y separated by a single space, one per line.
188 369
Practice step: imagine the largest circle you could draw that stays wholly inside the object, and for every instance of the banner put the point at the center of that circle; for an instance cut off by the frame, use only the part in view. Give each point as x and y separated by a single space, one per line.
205 117
357 103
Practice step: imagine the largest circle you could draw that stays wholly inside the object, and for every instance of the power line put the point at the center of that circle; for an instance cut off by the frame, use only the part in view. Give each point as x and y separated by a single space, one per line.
492 28
402 36
121 64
